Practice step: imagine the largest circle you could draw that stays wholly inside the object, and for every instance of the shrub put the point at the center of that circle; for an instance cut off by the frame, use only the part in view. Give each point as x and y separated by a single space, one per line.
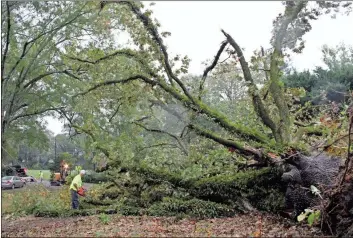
36 198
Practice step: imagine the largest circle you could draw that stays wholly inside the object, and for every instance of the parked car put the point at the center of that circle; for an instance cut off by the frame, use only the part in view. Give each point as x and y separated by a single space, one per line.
12 182
29 179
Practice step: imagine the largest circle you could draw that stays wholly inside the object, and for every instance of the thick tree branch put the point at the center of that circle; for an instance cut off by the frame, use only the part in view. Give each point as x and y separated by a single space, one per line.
211 67
9 110
290 14
39 77
112 82
266 70
125 52
7 43
253 91
283 131
23 54
240 149
35 113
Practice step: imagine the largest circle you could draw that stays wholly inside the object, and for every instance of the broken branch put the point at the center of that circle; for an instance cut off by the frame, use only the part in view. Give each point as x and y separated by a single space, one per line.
209 68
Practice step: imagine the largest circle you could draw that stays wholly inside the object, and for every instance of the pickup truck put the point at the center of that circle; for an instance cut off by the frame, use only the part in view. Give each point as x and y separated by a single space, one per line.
19 171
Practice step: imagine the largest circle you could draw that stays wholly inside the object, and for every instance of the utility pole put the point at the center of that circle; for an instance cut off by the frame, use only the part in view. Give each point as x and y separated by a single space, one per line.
55 149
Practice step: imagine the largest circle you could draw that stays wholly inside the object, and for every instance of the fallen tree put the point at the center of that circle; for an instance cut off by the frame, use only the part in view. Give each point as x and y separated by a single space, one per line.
271 150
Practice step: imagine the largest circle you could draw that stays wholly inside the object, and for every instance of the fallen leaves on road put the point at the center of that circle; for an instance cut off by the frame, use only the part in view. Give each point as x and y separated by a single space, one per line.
144 226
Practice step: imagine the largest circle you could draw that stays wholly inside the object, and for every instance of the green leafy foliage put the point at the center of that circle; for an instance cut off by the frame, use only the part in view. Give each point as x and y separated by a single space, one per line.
93 177
310 215
193 208
35 80
313 217
336 78
104 218
262 188
35 199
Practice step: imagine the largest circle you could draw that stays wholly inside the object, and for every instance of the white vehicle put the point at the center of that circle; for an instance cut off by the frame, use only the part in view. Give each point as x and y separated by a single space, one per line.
29 179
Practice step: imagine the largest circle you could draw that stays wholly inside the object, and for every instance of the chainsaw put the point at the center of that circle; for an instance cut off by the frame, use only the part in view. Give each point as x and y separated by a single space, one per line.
81 191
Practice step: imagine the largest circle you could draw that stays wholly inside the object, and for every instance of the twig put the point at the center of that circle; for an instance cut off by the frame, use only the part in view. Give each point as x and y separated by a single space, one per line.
115 112
230 55
209 68
347 163
335 141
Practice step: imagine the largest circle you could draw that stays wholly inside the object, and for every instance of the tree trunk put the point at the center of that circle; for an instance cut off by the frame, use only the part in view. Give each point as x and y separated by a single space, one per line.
3 152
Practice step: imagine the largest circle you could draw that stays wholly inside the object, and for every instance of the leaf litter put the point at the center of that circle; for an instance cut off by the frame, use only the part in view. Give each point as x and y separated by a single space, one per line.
249 225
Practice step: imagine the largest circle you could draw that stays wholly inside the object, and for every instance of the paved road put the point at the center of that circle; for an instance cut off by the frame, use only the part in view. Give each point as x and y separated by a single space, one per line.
46 183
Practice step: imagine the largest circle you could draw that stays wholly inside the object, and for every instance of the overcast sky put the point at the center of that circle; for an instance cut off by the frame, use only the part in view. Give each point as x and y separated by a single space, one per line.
195 29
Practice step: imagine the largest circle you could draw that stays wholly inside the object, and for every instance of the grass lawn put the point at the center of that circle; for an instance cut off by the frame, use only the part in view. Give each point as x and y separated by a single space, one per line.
35 173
